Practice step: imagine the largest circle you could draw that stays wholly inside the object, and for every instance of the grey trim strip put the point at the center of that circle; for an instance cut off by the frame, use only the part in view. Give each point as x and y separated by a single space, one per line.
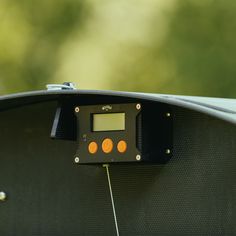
180 101
209 106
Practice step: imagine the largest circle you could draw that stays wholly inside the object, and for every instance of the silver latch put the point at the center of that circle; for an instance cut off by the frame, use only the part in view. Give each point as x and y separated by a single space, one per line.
64 86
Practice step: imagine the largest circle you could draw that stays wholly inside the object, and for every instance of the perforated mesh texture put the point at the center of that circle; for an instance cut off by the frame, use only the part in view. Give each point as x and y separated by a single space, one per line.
194 194
48 194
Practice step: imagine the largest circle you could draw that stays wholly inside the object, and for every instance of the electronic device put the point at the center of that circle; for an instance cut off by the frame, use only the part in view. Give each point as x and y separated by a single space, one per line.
115 133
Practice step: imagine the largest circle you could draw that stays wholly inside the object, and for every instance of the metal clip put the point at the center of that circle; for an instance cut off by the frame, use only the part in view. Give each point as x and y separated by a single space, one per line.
64 86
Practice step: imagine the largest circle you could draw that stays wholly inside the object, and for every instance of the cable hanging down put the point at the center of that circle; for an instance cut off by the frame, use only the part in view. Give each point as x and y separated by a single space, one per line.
112 199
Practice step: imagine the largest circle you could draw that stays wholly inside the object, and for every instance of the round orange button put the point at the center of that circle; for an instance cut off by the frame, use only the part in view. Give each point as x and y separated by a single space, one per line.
122 146
107 145
93 147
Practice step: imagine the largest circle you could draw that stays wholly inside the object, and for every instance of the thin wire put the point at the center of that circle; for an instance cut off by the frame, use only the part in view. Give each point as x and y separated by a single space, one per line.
112 199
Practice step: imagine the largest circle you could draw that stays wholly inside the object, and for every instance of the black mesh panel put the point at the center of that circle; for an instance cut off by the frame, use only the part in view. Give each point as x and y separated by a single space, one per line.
49 195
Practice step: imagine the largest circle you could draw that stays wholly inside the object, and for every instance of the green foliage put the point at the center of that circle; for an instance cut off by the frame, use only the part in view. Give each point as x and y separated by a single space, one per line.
195 54
196 57
32 33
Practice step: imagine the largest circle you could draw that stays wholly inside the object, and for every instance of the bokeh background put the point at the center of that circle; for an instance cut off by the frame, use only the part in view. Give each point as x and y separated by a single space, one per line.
162 46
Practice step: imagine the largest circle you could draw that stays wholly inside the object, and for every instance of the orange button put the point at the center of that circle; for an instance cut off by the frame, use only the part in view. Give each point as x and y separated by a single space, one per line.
93 147
107 145
122 146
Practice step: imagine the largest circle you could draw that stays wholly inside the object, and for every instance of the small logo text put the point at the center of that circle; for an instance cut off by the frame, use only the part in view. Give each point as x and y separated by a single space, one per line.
107 108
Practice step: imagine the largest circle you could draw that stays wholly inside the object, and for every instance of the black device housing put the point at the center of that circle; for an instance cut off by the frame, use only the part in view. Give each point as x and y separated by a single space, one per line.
155 133
148 133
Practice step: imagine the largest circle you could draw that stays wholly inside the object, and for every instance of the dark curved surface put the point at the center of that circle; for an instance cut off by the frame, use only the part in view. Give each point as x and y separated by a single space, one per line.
224 109
49 195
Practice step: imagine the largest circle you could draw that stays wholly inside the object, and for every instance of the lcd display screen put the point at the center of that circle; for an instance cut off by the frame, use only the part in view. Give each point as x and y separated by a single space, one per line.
108 122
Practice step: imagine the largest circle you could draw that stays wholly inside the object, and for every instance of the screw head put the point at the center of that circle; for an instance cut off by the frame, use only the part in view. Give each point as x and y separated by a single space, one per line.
138 158
168 151
3 196
138 106
77 160
77 109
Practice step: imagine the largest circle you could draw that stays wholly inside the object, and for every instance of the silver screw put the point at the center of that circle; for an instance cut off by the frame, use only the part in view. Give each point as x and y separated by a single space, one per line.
168 151
168 114
3 196
77 109
138 106
77 160
138 157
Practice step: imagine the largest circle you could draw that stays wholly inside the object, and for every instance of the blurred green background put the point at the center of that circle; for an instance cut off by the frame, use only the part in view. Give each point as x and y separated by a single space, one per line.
165 46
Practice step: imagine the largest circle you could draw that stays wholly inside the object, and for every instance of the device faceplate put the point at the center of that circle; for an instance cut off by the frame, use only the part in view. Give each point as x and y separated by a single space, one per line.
86 135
